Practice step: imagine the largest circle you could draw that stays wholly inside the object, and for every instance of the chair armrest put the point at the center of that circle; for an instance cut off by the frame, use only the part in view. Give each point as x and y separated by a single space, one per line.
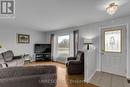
71 58
17 57
74 62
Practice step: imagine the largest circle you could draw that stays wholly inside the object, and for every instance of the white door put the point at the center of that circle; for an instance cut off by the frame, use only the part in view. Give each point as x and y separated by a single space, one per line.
113 50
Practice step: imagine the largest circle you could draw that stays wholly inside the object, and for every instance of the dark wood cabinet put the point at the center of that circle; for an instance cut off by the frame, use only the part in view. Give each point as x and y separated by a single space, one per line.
43 56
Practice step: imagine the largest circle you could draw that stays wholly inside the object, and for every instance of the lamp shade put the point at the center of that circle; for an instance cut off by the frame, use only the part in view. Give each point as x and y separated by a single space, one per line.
88 41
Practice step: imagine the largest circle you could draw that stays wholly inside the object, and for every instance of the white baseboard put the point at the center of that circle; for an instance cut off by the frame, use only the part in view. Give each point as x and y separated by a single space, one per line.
99 70
88 80
128 77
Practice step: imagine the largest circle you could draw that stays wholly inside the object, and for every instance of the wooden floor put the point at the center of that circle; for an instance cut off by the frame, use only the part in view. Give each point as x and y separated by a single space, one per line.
65 80
102 79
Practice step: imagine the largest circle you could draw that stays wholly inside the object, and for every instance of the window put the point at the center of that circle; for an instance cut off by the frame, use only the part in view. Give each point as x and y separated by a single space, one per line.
113 41
63 46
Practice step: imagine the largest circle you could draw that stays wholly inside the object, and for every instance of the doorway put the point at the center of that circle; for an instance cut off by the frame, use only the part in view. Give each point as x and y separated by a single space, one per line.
114 50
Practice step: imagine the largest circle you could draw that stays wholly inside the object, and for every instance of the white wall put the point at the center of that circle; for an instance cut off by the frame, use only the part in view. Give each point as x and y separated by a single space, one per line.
90 63
8 39
128 52
92 31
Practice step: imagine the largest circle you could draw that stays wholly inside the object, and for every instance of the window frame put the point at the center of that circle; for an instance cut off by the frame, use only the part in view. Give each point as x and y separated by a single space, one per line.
120 40
69 43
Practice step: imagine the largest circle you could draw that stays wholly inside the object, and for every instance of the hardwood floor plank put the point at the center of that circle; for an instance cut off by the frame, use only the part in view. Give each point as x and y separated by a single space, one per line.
100 79
63 79
126 84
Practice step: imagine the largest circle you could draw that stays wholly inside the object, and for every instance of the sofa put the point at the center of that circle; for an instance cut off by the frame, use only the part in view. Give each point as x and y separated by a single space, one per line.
31 76
10 60
75 65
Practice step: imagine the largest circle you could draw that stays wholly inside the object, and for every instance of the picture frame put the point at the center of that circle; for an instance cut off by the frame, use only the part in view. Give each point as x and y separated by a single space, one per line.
23 38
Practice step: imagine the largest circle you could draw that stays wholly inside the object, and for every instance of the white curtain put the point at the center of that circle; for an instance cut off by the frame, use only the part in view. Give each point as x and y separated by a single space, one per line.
55 48
76 41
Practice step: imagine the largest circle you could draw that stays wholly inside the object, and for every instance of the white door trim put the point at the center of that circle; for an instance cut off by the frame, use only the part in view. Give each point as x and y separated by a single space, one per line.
127 58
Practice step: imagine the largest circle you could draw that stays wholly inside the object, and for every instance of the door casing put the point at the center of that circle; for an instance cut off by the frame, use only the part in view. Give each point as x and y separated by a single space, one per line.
112 62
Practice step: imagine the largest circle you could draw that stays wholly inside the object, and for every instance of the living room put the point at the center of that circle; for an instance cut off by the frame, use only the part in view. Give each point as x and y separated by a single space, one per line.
65 43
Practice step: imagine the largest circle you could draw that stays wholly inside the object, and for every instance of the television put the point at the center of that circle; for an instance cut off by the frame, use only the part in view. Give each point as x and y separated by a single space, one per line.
42 48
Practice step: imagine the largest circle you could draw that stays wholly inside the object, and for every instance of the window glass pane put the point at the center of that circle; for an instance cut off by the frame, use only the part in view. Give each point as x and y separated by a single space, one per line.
113 41
63 46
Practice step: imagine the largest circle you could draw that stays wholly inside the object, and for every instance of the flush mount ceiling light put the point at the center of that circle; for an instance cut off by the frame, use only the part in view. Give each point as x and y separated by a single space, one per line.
112 8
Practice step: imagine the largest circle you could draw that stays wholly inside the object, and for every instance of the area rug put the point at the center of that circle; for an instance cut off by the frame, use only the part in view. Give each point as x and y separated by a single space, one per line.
63 79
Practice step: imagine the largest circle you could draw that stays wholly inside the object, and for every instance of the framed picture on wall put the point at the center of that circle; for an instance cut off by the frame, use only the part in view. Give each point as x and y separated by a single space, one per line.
23 38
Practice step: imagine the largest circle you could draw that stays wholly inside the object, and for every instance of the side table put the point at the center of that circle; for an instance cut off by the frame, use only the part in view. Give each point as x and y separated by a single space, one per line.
27 58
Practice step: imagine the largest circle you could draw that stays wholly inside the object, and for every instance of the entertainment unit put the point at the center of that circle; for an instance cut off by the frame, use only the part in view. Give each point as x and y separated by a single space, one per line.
42 52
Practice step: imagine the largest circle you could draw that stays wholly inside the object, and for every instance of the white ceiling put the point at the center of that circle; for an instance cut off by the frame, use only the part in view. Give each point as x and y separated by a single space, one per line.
48 15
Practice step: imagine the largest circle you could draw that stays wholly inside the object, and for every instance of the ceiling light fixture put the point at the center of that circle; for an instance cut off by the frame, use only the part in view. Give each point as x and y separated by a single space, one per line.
112 8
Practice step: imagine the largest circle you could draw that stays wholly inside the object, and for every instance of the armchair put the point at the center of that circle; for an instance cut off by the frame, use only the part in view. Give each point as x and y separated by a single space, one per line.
75 65
10 60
